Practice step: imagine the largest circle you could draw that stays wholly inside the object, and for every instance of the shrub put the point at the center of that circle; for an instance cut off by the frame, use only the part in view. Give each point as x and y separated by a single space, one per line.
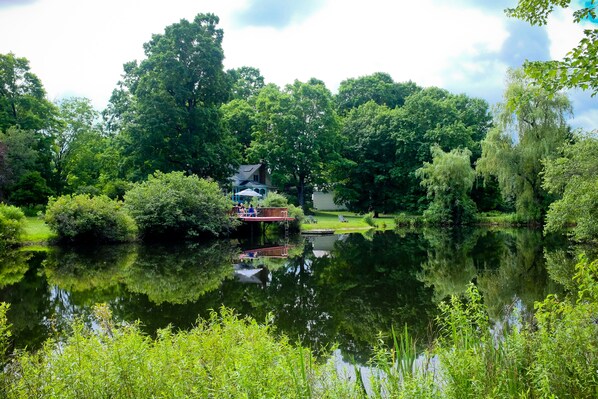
276 200
12 222
224 357
402 220
175 205
82 218
369 220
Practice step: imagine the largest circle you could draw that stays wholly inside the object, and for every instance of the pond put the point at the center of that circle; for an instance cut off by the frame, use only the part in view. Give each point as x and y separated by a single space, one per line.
344 289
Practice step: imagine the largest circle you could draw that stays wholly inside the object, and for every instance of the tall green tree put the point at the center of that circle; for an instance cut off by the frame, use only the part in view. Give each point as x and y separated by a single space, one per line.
378 87
23 100
449 179
431 117
578 67
168 104
530 127
23 105
78 131
369 175
19 158
239 119
246 82
574 177
297 133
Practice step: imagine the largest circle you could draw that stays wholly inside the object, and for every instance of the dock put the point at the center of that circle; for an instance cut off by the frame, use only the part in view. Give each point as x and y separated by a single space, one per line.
267 215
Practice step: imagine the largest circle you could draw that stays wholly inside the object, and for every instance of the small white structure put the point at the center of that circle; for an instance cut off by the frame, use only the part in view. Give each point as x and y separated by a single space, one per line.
324 201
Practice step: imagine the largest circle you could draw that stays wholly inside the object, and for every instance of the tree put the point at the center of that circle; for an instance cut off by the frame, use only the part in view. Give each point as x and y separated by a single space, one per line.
369 175
246 82
449 179
378 87
23 106
530 128
168 104
174 205
431 117
19 157
574 176
239 119
578 67
23 100
296 133
77 131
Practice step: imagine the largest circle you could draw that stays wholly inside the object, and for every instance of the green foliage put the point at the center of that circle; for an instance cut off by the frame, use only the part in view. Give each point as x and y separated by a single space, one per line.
30 190
246 82
369 220
12 224
530 128
369 176
449 179
222 357
167 106
23 100
296 133
276 200
175 205
82 218
578 68
378 87
79 145
575 177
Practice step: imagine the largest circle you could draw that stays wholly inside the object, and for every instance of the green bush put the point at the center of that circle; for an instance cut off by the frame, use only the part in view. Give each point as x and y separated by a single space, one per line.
225 357
369 220
276 200
12 221
81 218
175 205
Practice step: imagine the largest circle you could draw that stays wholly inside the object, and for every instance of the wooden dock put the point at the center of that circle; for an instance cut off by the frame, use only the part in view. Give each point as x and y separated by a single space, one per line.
266 215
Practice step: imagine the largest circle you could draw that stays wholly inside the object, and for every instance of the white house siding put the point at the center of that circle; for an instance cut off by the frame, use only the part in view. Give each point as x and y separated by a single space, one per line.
325 202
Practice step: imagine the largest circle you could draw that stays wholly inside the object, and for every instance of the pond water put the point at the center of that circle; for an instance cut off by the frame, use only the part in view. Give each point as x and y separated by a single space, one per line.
344 289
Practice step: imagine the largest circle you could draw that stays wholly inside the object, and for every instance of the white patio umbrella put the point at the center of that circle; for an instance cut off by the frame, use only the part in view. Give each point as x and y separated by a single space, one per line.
248 193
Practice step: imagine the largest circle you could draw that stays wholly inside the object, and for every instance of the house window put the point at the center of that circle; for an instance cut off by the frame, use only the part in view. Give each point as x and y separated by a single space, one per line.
256 178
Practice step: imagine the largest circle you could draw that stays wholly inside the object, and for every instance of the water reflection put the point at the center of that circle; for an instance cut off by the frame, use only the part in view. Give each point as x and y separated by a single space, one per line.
320 290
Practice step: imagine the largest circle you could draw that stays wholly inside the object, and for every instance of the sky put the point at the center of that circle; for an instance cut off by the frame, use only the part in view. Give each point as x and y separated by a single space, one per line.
78 47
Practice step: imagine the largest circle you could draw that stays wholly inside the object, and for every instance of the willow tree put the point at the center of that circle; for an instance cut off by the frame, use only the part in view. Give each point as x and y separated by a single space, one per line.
449 179
530 127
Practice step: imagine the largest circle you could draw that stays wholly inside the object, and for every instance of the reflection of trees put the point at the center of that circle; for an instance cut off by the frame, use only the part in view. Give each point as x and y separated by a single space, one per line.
30 302
561 262
519 275
369 286
180 274
88 270
13 266
449 266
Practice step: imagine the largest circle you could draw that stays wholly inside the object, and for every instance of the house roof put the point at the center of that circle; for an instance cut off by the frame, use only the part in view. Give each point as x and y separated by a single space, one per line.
246 172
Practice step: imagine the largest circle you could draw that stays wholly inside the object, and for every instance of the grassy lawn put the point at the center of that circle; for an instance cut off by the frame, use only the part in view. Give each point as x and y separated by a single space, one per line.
329 220
36 231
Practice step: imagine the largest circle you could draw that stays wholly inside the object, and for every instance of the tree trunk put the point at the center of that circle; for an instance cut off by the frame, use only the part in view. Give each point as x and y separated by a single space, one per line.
301 192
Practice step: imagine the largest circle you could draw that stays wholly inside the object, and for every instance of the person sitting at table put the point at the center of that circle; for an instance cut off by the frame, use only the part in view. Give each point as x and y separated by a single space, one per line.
251 211
241 210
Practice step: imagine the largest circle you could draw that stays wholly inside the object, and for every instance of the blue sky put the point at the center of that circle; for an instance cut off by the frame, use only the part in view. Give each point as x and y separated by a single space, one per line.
466 46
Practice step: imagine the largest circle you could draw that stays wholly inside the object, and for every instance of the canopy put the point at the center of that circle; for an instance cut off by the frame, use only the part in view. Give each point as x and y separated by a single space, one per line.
248 193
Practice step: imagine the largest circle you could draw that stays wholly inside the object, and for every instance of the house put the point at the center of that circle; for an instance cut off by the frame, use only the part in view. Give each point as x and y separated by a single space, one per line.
324 201
255 177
